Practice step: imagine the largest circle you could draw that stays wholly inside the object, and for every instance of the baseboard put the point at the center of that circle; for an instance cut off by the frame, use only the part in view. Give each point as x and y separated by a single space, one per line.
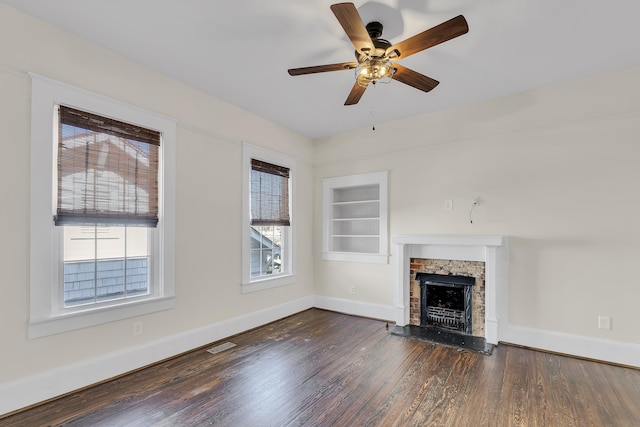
617 352
40 387
356 308
43 386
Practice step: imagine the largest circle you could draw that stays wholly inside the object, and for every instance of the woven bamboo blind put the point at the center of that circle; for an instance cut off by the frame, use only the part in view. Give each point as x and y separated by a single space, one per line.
107 171
269 194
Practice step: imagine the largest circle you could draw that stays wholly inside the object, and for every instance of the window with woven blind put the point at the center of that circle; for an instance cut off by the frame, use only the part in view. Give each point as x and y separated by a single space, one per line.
102 209
107 171
269 194
268 215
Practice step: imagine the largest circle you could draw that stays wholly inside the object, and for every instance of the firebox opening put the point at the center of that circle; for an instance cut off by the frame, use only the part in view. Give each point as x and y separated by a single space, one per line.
446 301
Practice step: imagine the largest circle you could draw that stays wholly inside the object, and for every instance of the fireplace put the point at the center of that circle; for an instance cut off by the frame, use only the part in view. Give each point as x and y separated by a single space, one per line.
493 251
446 301
457 275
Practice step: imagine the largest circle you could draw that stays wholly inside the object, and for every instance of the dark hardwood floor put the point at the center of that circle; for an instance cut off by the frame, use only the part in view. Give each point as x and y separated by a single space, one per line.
322 368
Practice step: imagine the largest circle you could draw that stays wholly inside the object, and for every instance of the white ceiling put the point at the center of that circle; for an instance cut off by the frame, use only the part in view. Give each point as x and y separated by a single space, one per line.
239 51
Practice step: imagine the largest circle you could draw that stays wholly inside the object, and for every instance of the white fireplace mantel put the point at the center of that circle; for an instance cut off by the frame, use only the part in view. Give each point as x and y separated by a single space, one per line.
492 250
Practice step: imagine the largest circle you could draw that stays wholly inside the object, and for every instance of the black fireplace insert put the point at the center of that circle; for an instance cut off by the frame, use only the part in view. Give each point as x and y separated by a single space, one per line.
446 301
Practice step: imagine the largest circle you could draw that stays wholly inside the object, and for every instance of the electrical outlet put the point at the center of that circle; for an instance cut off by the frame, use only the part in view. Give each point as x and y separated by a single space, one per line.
448 205
137 328
604 322
352 291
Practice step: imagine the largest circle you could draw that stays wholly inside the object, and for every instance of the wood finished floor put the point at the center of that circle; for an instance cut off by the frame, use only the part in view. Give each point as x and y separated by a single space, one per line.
319 368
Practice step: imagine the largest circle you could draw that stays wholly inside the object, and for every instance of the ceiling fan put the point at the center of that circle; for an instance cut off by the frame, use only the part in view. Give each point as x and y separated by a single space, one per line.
376 56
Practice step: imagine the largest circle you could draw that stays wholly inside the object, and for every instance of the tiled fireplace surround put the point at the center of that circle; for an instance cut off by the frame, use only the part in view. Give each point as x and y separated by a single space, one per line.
492 250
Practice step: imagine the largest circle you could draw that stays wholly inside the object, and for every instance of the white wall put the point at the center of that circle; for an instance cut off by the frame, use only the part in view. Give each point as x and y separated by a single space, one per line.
208 227
555 169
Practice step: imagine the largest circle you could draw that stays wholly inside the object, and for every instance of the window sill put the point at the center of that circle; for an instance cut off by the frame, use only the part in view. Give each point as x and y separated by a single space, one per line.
92 317
268 283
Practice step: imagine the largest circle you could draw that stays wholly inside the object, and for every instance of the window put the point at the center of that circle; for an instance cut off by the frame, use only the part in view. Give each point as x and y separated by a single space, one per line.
103 264
107 199
266 250
268 184
102 218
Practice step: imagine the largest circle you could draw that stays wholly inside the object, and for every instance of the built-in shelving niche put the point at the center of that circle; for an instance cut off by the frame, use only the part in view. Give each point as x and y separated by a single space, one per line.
355 226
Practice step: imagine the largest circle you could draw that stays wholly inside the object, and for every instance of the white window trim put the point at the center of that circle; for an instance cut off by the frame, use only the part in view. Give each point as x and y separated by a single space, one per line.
45 261
288 277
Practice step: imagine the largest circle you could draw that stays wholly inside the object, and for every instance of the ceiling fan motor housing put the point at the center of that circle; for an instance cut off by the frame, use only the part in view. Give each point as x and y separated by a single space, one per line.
380 45
374 29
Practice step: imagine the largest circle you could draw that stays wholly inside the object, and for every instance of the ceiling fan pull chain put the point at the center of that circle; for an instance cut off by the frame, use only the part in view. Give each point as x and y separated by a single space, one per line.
373 105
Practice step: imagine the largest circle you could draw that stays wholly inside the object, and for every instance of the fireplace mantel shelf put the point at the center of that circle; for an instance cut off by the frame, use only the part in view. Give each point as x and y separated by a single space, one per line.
431 239
492 250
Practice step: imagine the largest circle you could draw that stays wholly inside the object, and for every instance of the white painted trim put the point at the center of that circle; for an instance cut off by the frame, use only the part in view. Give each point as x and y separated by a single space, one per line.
493 250
93 317
572 345
431 239
250 151
328 186
268 283
576 345
356 257
27 391
355 308
44 261
36 388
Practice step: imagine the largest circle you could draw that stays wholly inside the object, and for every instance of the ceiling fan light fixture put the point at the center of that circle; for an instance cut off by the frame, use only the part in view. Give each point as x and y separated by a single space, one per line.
374 55
373 71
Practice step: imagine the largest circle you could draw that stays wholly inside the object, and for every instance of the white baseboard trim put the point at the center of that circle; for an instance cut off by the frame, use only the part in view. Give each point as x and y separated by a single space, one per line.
574 345
356 308
37 388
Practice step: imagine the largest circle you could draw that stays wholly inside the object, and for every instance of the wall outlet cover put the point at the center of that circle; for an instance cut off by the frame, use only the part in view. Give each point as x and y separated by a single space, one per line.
604 322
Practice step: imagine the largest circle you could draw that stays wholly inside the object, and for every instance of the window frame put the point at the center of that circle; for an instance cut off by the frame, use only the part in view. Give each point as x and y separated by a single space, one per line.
47 317
288 276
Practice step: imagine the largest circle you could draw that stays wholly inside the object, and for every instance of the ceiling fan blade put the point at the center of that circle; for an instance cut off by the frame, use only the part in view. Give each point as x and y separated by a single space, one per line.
440 33
348 16
355 94
322 68
414 79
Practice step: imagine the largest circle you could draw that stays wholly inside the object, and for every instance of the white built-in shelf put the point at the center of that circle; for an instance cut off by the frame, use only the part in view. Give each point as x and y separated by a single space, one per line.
377 218
355 218
356 202
356 235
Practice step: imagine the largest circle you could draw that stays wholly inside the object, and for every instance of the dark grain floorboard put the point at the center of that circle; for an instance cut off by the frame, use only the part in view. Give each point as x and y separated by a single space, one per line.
319 368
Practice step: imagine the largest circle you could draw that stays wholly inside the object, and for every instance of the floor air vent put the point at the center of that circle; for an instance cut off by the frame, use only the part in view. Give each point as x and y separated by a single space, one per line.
221 347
